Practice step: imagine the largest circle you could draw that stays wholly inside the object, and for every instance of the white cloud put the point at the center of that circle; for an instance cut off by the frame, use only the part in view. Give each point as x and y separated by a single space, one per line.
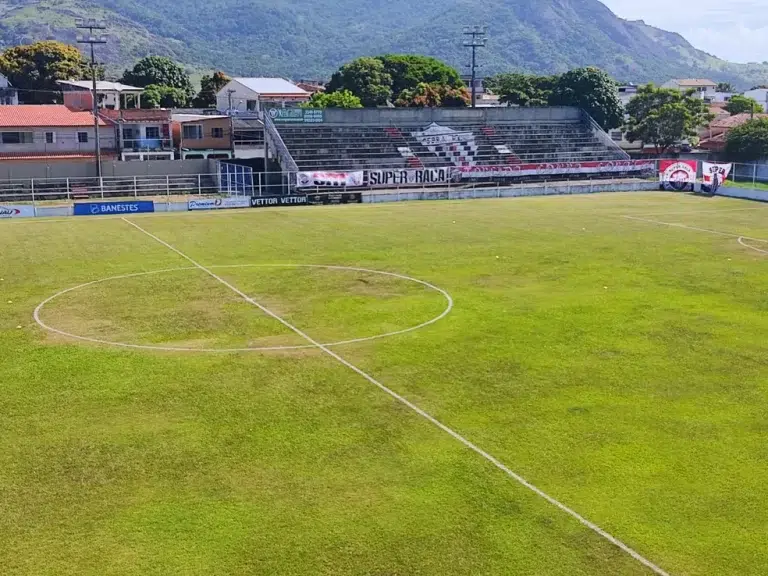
735 30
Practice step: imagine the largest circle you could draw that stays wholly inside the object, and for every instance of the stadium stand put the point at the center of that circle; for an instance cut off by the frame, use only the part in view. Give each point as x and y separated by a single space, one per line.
431 138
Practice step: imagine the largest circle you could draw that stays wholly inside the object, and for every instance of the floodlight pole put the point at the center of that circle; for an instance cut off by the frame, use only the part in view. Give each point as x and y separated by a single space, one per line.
91 24
476 39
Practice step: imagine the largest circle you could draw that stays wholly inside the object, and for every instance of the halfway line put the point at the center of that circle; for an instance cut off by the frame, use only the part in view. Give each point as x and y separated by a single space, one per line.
594 527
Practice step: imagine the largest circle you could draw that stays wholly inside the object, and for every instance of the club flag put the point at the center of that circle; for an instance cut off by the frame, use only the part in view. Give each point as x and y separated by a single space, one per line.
678 175
714 176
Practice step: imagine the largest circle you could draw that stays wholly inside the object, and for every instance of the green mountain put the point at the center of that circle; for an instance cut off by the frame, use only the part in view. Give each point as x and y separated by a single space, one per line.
310 39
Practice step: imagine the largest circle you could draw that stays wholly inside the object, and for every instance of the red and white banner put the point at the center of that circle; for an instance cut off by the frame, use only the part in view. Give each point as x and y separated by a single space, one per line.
330 179
714 176
678 175
555 168
17 211
408 176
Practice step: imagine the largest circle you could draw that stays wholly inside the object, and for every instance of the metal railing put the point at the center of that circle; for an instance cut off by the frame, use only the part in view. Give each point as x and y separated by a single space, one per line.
52 190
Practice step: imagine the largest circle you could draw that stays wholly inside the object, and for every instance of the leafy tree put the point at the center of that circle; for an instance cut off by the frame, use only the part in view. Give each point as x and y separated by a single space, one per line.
521 89
594 91
725 87
35 68
664 116
748 142
160 71
366 78
209 87
340 99
157 96
432 96
377 80
409 70
743 105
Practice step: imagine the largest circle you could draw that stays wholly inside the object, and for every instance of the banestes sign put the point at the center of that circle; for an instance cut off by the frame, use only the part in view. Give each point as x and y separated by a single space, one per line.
106 208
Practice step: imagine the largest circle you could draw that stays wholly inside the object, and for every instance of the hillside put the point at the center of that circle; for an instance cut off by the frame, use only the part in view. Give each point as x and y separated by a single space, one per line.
299 38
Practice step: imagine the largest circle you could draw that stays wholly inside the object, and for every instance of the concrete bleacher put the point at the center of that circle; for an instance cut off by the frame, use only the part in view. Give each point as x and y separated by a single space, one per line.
431 138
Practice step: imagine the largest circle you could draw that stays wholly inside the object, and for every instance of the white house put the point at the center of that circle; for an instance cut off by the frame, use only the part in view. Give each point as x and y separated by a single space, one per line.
254 94
9 96
759 94
51 132
702 86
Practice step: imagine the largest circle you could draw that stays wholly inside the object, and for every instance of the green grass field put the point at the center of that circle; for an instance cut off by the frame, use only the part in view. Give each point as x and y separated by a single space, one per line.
619 365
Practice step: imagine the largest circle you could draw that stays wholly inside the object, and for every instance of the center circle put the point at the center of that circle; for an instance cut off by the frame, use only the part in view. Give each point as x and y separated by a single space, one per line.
445 295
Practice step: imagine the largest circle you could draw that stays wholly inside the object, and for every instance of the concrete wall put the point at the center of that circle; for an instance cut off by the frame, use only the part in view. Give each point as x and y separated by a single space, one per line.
27 170
745 193
419 116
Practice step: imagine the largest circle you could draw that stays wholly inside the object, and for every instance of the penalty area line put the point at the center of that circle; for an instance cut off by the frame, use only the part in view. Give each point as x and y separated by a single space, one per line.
497 463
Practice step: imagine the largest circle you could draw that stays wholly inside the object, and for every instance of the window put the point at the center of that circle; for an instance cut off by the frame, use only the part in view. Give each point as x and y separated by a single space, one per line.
217 132
251 104
127 133
82 137
17 137
617 136
192 132
152 132
50 137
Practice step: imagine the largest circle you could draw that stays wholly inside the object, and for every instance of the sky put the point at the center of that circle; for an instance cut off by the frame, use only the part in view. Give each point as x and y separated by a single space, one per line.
735 30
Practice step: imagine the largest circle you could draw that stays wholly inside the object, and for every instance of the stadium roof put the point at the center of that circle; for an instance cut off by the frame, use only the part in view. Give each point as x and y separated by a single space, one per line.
101 86
45 115
269 86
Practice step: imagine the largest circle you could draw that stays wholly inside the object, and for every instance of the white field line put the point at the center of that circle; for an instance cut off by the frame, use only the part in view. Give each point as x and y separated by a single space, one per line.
709 211
741 241
594 527
695 228
42 324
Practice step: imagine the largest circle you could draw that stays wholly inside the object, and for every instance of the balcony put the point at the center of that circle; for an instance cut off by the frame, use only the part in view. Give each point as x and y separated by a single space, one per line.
147 144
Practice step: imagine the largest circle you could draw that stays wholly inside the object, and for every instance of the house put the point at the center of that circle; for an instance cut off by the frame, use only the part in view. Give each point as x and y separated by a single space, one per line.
311 86
627 92
112 95
51 132
9 96
242 95
700 85
717 134
202 136
759 94
141 134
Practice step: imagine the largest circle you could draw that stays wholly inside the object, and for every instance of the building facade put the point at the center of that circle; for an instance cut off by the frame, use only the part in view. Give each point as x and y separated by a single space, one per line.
244 95
202 136
9 96
142 134
52 132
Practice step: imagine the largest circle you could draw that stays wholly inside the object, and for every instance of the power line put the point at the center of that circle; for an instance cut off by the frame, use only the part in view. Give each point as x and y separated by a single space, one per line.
476 39
92 24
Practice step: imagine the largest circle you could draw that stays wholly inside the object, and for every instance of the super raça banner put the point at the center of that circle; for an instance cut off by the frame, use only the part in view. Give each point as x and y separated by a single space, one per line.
678 175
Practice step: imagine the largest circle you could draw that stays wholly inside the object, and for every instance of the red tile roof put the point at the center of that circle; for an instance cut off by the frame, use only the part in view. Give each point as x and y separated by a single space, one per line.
138 115
44 115
737 120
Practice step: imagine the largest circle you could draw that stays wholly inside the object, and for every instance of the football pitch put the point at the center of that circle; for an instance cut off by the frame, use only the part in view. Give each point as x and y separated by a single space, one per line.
536 386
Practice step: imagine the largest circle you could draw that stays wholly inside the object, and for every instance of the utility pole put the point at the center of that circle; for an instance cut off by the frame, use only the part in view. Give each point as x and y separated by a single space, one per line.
476 38
92 24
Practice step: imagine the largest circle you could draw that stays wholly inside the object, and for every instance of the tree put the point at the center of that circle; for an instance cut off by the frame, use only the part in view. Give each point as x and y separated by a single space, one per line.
433 96
366 78
743 105
378 80
35 68
341 99
725 87
748 142
592 90
664 116
160 71
157 96
409 70
521 89
209 88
